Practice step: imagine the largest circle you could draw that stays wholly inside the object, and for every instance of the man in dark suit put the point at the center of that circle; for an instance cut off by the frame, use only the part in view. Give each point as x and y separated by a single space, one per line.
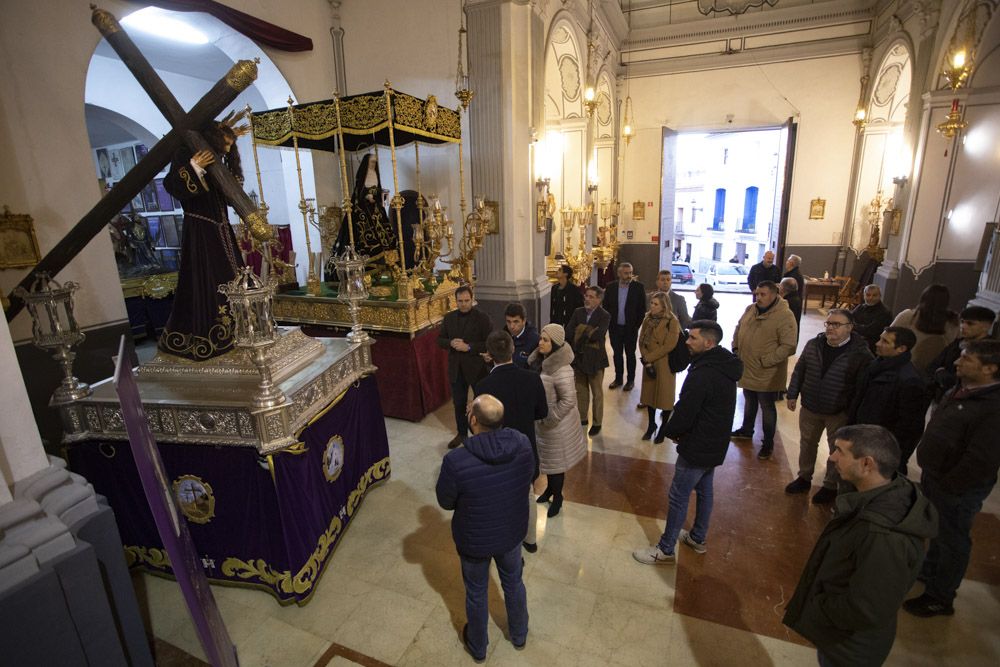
523 396
586 334
463 334
625 301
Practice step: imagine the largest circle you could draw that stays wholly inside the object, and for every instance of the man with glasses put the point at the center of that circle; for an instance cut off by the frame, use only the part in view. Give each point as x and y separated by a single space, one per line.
825 377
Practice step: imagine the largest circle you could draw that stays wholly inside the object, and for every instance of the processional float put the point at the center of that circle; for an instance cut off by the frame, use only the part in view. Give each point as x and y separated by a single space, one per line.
405 293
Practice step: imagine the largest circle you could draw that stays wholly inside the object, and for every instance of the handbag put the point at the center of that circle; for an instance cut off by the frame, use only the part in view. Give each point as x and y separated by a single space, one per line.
679 358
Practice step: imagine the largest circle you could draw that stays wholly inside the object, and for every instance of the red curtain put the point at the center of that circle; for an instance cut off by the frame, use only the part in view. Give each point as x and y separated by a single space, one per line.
259 31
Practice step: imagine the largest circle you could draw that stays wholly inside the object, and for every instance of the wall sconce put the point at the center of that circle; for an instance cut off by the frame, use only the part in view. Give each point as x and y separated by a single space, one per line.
860 118
900 180
956 72
590 100
542 204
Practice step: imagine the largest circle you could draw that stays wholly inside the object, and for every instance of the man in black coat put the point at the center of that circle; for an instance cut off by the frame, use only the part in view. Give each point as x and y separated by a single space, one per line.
974 324
566 297
485 483
789 291
625 300
586 334
523 397
766 269
871 317
792 271
959 459
890 392
700 424
463 333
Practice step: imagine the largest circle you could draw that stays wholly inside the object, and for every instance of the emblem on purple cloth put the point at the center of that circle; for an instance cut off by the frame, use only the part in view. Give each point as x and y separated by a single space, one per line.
195 497
333 458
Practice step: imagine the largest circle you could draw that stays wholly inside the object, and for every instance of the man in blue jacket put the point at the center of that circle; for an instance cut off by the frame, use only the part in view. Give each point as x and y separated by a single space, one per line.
700 425
486 483
524 335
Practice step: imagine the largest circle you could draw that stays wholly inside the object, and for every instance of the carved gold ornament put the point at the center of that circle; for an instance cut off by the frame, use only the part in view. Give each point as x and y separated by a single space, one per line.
104 21
242 74
431 113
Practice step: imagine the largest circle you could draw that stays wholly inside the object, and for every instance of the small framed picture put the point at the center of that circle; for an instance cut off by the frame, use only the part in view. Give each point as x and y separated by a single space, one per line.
149 198
817 209
639 210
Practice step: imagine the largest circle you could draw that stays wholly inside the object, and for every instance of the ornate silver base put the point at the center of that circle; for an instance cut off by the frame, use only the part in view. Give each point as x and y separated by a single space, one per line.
219 402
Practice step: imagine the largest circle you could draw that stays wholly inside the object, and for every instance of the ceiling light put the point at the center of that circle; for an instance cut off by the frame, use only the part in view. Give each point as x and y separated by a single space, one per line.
156 21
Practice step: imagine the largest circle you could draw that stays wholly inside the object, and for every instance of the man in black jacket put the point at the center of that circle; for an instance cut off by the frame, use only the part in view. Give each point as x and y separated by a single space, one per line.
485 483
792 270
959 459
566 297
523 397
867 558
700 425
871 317
463 333
826 376
625 300
789 291
586 334
524 335
890 392
766 269
974 323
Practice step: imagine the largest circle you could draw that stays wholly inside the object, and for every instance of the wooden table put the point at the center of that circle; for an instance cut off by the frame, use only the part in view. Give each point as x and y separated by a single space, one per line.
822 288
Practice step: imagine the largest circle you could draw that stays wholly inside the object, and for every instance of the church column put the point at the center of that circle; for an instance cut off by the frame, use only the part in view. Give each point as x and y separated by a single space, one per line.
21 451
505 60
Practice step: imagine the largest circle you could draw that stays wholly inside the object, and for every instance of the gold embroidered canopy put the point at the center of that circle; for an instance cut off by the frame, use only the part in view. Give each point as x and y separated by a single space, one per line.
365 121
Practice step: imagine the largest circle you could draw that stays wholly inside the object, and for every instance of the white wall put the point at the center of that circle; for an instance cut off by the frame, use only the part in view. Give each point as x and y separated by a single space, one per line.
820 93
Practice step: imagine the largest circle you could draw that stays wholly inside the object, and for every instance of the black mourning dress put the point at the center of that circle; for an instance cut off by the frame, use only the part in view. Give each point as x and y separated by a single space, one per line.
374 231
200 326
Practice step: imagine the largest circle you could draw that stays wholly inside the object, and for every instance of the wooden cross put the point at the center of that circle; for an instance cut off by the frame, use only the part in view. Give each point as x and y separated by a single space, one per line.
185 131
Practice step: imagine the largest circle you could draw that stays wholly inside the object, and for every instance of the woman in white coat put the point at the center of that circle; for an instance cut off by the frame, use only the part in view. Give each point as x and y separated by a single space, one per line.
561 442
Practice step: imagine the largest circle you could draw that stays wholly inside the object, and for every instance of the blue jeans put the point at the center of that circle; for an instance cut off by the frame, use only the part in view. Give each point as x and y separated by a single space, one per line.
768 413
476 574
686 479
949 552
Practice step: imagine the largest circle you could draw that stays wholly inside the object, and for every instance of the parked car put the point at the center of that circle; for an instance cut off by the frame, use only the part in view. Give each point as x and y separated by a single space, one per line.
728 277
681 272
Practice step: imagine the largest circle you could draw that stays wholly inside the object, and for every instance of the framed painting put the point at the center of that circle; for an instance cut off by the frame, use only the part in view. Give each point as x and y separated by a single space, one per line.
18 244
817 209
639 210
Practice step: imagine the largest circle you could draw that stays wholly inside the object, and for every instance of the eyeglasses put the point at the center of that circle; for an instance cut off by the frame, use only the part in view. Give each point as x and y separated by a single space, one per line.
835 325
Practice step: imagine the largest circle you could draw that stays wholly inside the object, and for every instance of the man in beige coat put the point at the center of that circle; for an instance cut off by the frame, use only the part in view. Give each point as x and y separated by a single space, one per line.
764 339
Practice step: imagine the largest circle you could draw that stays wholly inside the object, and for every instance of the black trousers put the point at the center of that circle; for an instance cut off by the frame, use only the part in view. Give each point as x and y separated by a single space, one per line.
624 339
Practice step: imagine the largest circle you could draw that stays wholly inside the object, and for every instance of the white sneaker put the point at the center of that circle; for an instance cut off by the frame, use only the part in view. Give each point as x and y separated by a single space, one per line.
698 547
652 555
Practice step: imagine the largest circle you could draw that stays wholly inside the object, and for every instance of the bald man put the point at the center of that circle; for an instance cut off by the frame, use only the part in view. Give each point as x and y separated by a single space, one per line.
486 483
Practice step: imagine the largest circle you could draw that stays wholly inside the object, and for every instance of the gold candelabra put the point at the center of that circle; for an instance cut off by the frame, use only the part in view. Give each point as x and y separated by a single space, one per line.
581 260
875 210
956 72
431 236
474 229
606 248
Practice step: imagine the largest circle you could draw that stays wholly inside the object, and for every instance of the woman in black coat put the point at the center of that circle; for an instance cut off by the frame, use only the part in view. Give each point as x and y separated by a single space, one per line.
708 307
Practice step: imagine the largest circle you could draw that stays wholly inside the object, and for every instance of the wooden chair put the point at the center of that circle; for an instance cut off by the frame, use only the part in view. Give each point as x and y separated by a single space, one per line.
849 295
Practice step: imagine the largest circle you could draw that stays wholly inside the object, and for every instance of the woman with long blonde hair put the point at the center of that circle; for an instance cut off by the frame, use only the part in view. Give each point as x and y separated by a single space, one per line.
658 336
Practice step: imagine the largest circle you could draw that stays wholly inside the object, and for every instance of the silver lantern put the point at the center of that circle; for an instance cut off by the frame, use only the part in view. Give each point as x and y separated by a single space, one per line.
351 289
54 328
